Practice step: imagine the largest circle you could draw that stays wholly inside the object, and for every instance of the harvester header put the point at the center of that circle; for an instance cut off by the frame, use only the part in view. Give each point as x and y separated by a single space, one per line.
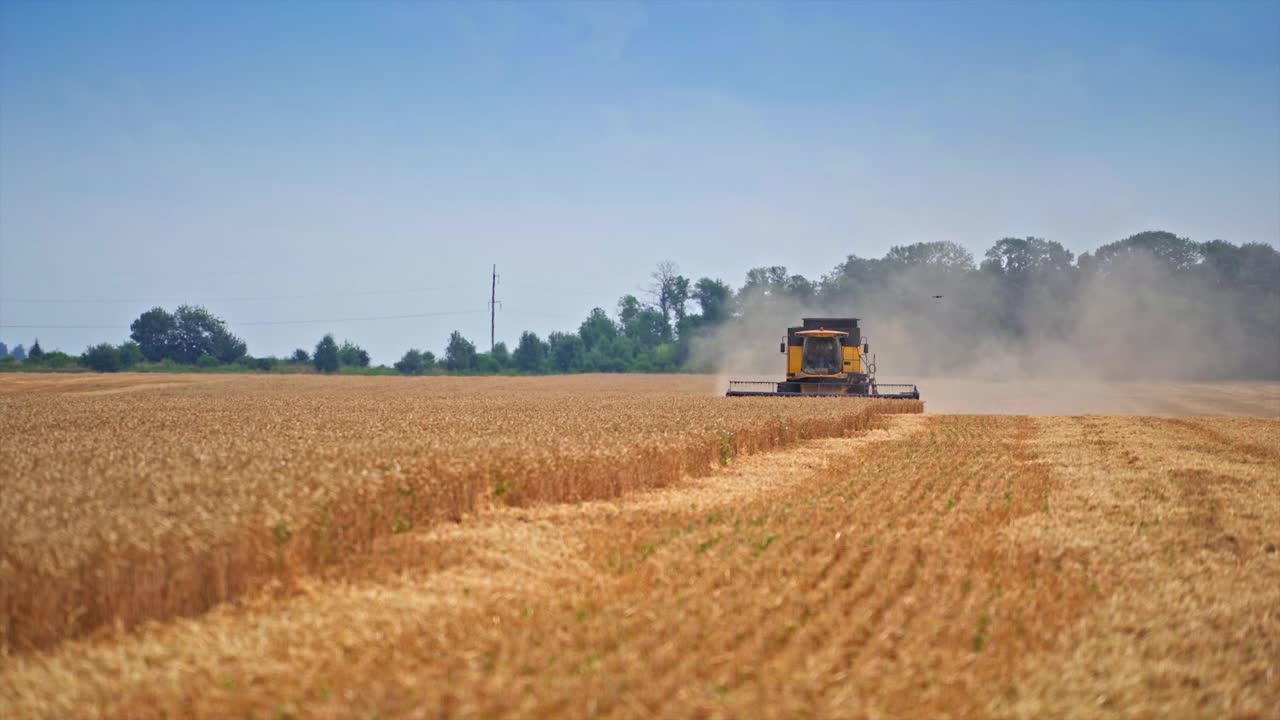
828 357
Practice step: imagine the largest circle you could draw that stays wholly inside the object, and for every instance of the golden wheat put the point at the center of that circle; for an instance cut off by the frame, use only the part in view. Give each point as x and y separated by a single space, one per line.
129 499
945 566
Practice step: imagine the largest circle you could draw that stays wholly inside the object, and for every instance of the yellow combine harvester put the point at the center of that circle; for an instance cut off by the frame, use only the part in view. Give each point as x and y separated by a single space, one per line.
828 357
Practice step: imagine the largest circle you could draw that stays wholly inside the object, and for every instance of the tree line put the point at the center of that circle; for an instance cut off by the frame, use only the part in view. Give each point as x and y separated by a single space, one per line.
1154 289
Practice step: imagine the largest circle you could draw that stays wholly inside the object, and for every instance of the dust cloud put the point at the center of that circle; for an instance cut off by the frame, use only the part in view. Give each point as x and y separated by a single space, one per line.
1133 340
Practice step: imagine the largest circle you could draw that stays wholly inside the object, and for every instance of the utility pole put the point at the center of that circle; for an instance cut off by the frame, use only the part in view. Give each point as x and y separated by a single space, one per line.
493 305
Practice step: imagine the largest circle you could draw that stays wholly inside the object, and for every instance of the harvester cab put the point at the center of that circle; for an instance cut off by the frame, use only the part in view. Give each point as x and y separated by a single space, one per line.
825 356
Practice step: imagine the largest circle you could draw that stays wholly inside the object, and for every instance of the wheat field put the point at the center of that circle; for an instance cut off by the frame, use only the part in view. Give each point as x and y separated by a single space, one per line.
651 551
150 499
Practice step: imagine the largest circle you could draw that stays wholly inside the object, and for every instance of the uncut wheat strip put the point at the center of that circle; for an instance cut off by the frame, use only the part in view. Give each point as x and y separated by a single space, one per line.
222 637
101 597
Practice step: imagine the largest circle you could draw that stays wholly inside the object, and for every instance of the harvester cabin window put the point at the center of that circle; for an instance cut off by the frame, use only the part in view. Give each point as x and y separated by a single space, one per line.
821 356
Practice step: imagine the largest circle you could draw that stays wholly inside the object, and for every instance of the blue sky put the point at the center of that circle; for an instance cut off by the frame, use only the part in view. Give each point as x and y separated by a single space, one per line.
288 161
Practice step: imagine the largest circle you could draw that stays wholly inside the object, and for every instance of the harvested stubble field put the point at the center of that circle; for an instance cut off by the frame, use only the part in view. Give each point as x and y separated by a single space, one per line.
899 565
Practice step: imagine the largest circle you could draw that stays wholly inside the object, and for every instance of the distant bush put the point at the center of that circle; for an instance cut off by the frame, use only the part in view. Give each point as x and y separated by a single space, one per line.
103 357
265 364
207 361
487 364
57 360
372 370
460 353
325 357
352 355
501 354
130 354
530 354
410 364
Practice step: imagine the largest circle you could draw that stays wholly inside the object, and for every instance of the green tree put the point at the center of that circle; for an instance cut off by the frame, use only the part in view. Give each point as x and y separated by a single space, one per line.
501 354
224 346
664 357
765 281
1224 261
103 357
629 308
670 291
615 355
198 332
566 352
352 355
678 297
644 326
800 288
460 354
301 357
36 353
531 353
774 282
1022 257
854 281
486 364
130 354
19 353
57 359
715 300
1259 271
1175 253
153 331
325 356
597 328
943 255
410 364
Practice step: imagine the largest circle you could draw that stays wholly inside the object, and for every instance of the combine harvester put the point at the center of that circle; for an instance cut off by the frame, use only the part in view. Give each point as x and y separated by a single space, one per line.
827 357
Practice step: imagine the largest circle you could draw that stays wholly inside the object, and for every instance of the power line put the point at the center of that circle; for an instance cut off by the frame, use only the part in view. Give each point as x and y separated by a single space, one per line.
60 327
561 291
236 323
538 313
356 319
241 298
